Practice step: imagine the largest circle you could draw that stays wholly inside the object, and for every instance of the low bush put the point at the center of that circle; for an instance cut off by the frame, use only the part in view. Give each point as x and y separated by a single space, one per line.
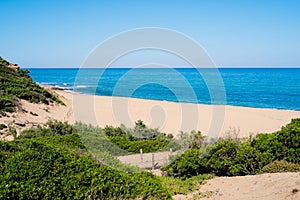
7 103
2 126
183 185
280 166
54 168
51 128
222 157
18 84
130 140
228 157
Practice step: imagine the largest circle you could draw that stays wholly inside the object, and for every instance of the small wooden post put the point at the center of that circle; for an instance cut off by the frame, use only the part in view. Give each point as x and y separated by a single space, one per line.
152 161
171 151
141 151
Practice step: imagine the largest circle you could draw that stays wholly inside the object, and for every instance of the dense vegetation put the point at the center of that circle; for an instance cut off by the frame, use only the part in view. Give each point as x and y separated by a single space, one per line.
64 161
60 167
51 128
17 84
177 185
116 140
122 140
279 151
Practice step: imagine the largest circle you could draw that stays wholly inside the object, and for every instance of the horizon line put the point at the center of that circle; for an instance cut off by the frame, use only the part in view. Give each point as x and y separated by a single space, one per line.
221 67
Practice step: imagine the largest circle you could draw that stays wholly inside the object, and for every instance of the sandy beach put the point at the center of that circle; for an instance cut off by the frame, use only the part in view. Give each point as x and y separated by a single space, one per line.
169 117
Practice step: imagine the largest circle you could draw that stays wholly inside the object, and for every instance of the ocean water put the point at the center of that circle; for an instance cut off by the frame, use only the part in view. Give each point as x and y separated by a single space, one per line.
251 87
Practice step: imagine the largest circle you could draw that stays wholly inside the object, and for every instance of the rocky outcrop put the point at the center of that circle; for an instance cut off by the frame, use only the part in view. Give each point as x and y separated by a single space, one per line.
14 66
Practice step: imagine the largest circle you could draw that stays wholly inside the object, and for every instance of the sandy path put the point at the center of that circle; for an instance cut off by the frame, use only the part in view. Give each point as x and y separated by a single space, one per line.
145 160
277 186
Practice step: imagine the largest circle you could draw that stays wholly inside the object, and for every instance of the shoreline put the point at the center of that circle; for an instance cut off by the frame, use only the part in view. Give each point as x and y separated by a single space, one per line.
167 116
54 88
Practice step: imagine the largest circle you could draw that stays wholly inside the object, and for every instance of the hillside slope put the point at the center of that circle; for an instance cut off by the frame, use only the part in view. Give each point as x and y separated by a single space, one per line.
16 84
23 103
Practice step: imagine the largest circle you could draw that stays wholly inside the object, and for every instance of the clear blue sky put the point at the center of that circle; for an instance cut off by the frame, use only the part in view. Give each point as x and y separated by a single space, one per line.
234 33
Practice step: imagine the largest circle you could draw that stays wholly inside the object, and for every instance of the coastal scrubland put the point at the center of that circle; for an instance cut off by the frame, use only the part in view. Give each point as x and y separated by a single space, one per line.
17 84
56 160
275 152
59 166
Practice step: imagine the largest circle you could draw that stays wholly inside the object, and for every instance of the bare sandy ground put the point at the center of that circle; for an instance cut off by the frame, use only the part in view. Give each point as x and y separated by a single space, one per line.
277 186
31 115
147 160
169 117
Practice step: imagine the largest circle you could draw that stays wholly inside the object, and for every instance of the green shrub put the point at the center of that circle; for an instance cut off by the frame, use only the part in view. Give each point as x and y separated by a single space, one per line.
183 185
2 126
52 128
280 166
60 128
16 85
250 160
229 157
12 131
3 62
7 103
289 138
222 156
39 131
114 132
53 168
130 139
190 163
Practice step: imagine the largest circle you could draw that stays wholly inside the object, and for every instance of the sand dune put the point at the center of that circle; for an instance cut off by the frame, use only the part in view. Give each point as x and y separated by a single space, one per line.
31 115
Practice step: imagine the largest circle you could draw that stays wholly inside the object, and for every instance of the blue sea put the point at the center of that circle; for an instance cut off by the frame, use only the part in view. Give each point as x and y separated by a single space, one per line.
276 88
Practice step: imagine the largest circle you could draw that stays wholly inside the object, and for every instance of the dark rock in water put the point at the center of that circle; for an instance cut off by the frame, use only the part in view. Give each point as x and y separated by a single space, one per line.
57 88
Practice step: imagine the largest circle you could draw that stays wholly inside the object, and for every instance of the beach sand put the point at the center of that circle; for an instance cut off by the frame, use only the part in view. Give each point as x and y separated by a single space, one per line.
168 117
31 115
276 186
171 117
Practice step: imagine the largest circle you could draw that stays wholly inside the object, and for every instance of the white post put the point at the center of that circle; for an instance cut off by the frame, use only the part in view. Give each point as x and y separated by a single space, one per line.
141 151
